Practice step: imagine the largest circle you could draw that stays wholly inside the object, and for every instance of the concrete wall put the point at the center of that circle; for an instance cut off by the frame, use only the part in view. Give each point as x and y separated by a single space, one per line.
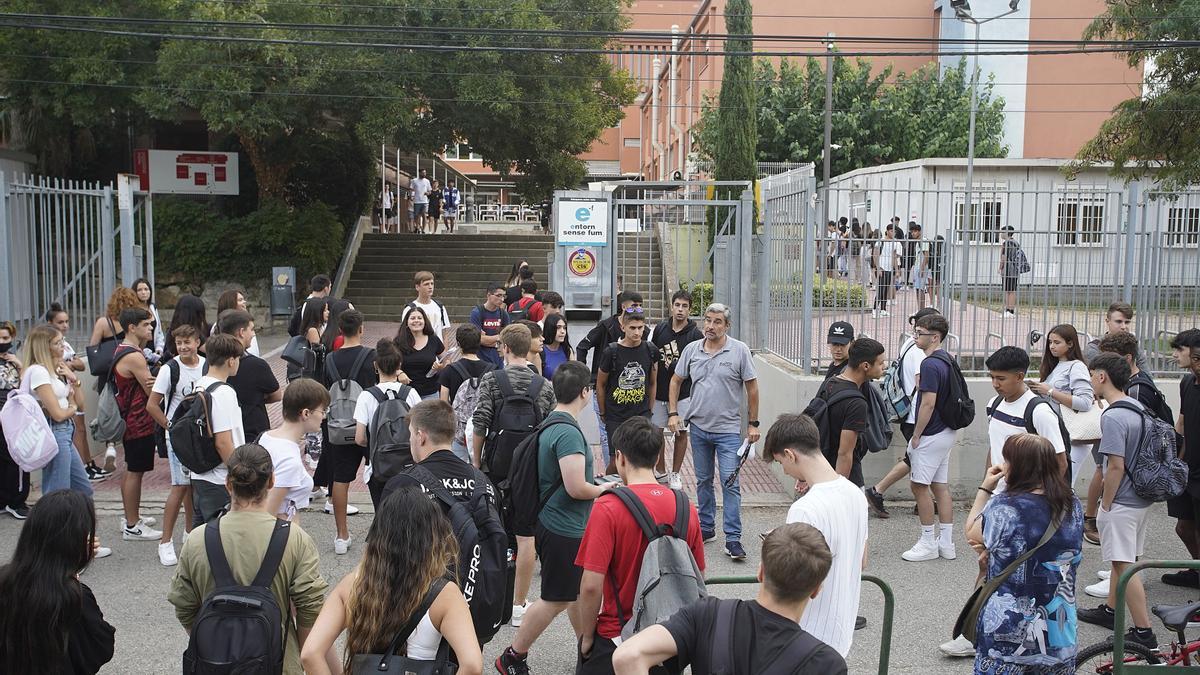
783 389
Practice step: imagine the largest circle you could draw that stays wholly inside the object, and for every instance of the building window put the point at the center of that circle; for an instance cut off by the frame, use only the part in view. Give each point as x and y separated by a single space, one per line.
460 151
1079 218
986 217
1183 227
633 142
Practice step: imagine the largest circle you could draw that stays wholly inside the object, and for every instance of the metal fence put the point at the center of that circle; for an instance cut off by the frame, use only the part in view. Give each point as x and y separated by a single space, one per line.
69 242
1086 247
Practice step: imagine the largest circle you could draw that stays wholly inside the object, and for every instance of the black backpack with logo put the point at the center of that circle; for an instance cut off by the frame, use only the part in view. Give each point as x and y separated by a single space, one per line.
191 432
954 403
239 628
517 416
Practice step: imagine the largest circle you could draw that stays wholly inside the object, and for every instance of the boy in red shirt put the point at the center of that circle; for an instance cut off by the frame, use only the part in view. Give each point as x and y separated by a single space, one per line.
613 544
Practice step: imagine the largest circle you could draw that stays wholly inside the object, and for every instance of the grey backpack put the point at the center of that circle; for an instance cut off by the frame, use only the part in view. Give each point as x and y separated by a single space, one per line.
669 579
343 398
109 424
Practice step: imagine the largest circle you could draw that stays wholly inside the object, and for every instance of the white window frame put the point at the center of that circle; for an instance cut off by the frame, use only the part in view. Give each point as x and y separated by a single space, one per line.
1091 209
985 195
1182 237
453 152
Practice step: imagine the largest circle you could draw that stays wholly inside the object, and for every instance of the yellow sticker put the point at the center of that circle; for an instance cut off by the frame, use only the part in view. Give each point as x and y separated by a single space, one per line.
582 262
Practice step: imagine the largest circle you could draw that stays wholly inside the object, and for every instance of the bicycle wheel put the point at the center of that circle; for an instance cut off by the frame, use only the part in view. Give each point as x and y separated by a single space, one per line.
1098 658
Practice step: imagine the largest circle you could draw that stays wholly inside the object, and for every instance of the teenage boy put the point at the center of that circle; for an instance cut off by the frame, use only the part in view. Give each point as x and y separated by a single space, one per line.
1186 507
929 449
795 562
598 338
452 377
613 545
1008 368
527 306
846 419
490 318
552 303
720 367
450 202
566 488
514 341
837 508
918 257
435 312
255 384
176 379
319 288
133 382
841 334
224 354
671 336
421 187
1124 516
346 459
536 342
1117 319
431 431
628 376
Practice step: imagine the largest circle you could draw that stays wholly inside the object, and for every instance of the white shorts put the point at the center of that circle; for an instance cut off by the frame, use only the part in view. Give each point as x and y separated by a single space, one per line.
658 414
930 460
1122 532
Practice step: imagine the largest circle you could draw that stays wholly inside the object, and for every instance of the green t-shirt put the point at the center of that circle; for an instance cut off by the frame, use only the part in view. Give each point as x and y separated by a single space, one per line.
564 515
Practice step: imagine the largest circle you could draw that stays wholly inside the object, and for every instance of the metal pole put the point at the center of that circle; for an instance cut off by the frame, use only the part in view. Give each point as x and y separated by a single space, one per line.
968 220
745 238
828 133
806 302
1133 195
6 299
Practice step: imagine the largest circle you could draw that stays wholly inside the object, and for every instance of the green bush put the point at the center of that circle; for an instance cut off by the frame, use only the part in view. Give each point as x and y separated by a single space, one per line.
197 244
830 293
702 296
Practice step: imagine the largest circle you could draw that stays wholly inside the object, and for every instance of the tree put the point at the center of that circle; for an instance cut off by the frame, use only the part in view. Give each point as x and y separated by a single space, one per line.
735 132
1156 135
921 114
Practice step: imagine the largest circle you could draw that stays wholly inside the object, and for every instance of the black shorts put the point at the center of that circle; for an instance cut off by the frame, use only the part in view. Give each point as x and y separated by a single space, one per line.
345 460
560 574
599 662
1184 507
139 454
1010 284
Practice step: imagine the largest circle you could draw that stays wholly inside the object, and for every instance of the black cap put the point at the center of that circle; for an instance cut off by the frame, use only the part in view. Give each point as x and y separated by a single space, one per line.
840 333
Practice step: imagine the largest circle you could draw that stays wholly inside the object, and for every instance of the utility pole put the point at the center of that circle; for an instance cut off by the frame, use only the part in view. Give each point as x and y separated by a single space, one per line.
828 132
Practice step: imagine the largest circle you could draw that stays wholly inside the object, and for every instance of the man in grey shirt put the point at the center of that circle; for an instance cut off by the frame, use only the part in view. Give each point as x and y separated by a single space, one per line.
719 367
1123 517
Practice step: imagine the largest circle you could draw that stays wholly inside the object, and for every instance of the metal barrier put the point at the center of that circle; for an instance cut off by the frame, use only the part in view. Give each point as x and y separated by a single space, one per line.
1119 665
889 606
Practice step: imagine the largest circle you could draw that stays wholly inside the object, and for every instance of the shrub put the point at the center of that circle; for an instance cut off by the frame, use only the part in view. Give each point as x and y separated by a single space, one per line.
702 296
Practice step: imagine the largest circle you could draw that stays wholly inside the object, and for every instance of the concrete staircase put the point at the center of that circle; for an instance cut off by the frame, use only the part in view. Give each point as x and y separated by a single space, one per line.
463 264
640 268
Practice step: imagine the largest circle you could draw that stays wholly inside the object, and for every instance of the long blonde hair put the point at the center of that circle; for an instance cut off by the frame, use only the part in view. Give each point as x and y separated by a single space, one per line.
409 546
36 351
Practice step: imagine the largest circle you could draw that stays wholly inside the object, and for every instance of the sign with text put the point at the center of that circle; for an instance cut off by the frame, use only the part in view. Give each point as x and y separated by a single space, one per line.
582 222
187 172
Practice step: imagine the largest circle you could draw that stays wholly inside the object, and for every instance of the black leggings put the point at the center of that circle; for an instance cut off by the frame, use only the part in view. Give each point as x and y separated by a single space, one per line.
883 287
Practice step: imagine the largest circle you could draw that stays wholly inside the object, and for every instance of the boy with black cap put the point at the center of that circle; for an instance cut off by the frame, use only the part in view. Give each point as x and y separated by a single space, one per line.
841 334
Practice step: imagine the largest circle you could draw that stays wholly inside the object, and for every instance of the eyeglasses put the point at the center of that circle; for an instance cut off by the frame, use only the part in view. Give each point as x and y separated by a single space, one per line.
919 333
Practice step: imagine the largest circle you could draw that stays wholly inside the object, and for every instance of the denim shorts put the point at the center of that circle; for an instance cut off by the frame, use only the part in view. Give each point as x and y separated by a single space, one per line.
180 476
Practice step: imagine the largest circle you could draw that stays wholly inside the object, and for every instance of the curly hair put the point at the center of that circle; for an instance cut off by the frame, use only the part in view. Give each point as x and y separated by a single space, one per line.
122 298
409 546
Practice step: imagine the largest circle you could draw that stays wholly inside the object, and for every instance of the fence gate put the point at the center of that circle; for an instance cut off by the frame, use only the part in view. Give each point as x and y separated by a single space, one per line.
695 235
69 242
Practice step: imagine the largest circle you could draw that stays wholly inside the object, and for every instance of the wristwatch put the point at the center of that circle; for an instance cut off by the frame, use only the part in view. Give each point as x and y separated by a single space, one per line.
754 423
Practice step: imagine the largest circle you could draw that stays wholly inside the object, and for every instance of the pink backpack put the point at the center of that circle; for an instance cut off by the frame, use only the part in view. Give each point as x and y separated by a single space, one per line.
31 444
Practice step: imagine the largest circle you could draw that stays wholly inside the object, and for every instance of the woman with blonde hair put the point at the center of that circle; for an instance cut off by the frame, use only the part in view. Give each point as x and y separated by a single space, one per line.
410 548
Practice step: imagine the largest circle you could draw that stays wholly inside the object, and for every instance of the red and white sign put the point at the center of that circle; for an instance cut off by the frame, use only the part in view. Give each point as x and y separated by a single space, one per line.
187 172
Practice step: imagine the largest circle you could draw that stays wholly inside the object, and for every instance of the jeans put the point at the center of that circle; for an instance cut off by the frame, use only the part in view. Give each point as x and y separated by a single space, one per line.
208 500
461 451
603 431
65 471
723 447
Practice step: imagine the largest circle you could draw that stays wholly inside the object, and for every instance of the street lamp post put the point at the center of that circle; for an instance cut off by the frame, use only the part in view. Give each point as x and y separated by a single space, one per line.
962 12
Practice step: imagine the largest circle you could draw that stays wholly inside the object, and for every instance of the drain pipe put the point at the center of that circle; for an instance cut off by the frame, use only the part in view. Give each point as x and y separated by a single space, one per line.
655 148
672 126
677 130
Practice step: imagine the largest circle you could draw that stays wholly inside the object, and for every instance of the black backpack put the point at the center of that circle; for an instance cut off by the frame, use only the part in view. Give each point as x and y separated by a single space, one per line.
160 434
878 434
1160 408
790 659
517 416
521 492
482 573
387 434
239 628
954 405
191 432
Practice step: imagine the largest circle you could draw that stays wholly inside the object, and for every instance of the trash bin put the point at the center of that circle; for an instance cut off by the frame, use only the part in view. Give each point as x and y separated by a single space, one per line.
283 291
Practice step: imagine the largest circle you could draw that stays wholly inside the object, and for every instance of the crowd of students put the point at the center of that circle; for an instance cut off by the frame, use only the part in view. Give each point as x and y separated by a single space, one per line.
478 469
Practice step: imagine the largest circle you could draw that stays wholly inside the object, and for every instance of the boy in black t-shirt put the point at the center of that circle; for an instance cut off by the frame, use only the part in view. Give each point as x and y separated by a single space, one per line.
255 384
846 419
1186 507
626 381
671 336
454 375
766 630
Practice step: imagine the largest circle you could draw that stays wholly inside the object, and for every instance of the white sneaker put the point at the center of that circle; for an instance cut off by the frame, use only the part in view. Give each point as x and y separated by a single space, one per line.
110 458
518 615
1098 589
1104 574
674 481
341 546
140 532
924 549
166 554
946 550
884 313
350 508
318 492
103 552
149 520
959 646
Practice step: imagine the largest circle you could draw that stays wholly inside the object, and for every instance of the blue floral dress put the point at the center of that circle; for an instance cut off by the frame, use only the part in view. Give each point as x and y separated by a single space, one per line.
1028 626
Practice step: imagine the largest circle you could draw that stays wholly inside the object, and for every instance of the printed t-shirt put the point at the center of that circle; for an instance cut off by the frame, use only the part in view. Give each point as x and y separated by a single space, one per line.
489 322
627 393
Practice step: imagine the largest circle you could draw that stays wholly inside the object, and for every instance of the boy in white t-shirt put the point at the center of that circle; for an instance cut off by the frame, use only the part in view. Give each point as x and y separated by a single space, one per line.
305 403
435 311
209 495
837 508
176 379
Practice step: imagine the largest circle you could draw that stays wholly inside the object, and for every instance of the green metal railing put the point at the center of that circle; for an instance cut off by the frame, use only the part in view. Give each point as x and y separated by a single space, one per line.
889 606
1119 665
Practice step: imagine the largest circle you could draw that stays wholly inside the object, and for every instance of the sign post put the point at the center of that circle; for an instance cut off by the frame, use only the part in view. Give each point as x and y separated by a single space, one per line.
583 253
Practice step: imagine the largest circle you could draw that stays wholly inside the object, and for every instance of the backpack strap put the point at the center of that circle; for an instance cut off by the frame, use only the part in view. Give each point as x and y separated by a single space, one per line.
680 528
797 653
561 484
995 403
535 387
461 368
638 510
274 556
217 562
720 660
332 370
174 367
431 484
414 621
505 384
358 362
378 393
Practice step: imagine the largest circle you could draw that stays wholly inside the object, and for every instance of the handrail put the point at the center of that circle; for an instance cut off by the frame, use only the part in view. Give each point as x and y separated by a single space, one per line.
1119 665
349 256
889 608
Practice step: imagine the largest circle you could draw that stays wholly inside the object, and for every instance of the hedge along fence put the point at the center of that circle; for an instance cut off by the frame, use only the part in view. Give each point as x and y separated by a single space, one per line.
827 293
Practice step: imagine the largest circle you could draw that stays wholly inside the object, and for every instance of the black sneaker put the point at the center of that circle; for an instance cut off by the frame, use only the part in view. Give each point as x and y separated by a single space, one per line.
1102 616
707 535
1144 637
508 663
875 501
96 474
20 511
734 550
860 622
1185 578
